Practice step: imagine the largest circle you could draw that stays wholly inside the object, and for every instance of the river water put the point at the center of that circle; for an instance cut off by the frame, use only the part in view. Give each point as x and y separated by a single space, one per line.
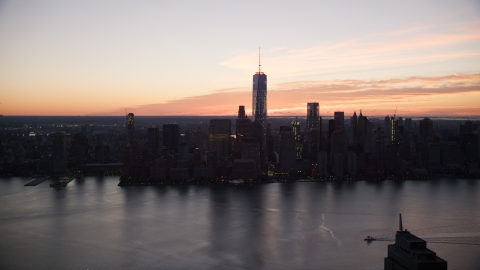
94 224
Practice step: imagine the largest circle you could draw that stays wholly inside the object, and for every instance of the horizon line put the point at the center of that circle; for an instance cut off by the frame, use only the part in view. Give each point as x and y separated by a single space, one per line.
234 115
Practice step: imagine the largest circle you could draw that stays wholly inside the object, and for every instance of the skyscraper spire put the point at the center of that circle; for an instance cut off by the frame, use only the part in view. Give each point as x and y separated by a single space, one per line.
259 60
400 229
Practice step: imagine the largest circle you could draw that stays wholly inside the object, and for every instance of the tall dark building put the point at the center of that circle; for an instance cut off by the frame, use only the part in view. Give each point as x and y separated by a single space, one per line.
313 129
426 127
387 124
59 152
171 136
339 118
153 140
259 107
411 252
242 129
259 96
288 158
354 123
393 130
128 163
257 133
337 152
241 112
130 128
313 116
79 149
242 124
298 138
408 125
219 138
99 150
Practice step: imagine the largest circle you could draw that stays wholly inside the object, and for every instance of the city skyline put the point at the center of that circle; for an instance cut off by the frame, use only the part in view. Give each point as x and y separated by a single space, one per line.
68 58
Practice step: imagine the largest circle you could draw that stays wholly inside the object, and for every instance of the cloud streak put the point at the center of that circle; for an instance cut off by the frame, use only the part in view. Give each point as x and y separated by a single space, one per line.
414 46
441 95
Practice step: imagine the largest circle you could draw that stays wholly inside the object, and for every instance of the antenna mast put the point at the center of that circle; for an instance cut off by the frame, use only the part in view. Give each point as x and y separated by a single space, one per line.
400 229
259 60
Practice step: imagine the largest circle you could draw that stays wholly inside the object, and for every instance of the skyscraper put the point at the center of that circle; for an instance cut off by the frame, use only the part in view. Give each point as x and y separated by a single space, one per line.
153 139
313 129
354 123
426 127
259 98
219 137
171 135
339 118
298 138
242 124
242 129
59 152
259 107
287 149
130 128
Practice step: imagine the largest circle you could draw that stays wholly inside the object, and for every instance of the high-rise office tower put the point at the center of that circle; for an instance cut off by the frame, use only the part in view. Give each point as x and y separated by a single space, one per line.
99 149
354 123
219 137
313 120
242 129
130 128
408 124
288 158
313 129
259 98
387 123
259 108
59 152
322 164
361 124
80 149
298 138
128 163
426 127
393 130
242 124
337 144
257 133
153 139
241 112
171 135
339 118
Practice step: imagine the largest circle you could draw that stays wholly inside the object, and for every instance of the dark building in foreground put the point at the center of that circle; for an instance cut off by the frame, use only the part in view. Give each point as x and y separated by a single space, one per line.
313 129
171 136
219 138
411 253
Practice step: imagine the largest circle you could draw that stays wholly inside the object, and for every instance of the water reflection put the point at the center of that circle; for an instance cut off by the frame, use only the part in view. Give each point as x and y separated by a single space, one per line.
93 223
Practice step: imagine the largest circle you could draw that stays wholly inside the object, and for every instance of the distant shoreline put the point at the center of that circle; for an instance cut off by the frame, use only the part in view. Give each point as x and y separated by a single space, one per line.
290 180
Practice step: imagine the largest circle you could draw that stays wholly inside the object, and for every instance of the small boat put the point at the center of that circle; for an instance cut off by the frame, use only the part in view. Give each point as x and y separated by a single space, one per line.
369 238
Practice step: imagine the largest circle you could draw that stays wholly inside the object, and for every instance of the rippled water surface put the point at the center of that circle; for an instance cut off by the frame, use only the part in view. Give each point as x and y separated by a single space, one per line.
94 224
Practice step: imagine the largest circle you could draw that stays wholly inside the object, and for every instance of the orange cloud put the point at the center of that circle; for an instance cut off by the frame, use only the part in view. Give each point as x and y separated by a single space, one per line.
443 95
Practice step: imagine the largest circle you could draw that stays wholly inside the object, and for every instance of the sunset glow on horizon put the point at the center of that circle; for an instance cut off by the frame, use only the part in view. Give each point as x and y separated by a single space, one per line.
166 58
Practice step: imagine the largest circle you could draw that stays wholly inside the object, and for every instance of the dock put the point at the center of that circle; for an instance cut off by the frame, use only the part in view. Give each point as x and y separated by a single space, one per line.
62 181
37 181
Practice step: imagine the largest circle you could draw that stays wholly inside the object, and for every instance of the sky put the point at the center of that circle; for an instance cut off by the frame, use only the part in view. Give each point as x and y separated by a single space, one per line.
198 57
